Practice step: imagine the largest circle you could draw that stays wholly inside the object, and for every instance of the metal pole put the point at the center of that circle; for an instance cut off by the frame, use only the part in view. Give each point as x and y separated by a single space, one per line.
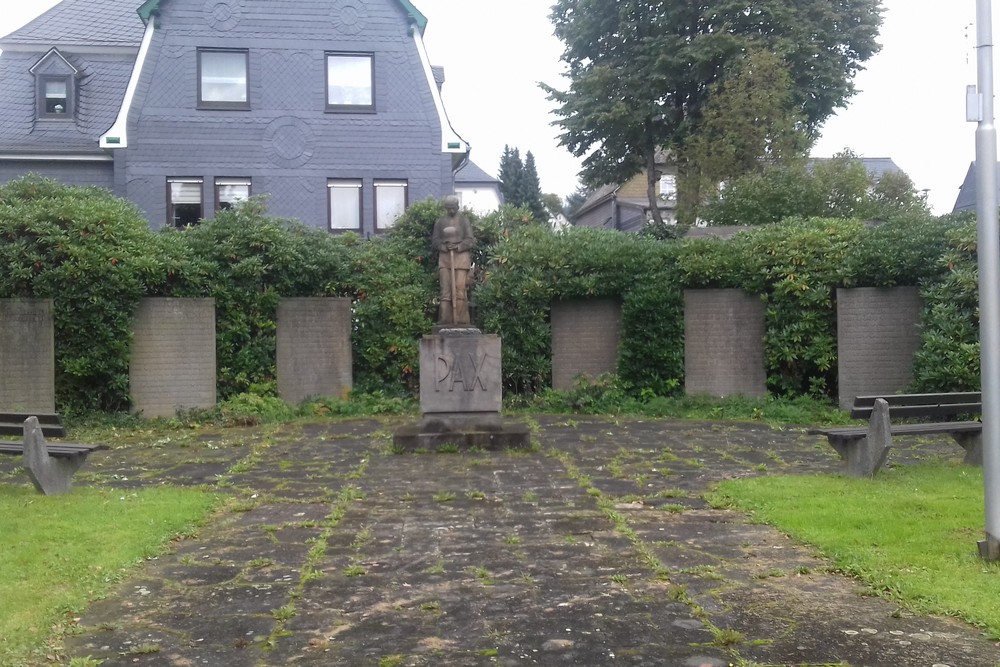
989 278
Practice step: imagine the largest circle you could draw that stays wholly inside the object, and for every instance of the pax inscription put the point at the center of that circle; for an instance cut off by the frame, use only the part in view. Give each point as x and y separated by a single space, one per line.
460 374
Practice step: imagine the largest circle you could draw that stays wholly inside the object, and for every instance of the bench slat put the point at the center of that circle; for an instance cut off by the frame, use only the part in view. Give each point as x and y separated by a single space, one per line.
901 429
17 428
59 450
920 399
922 410
43 418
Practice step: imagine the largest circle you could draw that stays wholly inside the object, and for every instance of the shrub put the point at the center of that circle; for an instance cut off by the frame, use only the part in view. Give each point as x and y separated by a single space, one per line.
95 257
530 266
246 260
840 187
949 356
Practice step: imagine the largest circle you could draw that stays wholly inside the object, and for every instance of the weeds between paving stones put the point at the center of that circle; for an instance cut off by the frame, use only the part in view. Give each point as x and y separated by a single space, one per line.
604 524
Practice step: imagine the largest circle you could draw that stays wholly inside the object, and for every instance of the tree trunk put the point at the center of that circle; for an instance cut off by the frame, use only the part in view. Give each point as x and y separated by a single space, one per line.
652 177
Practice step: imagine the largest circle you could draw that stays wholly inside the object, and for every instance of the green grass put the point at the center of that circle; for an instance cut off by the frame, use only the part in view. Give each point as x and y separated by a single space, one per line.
910 533
57 553
605 399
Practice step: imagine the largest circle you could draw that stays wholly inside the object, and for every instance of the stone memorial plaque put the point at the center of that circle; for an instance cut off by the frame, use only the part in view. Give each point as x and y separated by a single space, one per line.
460 374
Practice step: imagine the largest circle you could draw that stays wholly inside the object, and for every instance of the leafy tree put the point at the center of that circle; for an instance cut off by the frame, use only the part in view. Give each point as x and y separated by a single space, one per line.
641 72
553 204
837 188
749 123
575 200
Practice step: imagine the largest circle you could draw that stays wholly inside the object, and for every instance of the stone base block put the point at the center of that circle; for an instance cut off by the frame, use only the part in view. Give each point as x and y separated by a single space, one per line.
462 431
460 373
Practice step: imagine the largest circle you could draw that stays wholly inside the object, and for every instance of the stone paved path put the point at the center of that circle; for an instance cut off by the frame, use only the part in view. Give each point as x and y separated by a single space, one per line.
597 549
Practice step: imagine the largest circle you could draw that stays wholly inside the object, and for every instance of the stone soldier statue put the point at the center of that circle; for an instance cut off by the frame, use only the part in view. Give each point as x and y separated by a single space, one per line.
453 241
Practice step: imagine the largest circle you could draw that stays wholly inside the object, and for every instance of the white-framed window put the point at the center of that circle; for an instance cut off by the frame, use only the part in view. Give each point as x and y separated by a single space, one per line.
345 204
390 202
228 191
222 78
184 201
56 100
350 82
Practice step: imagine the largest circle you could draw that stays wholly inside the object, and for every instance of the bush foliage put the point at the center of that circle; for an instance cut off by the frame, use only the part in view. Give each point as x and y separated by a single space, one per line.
95 256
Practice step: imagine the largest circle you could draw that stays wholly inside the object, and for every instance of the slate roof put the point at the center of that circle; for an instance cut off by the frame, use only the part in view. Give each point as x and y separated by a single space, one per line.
78 22
471 173
102 77
966 200
876 166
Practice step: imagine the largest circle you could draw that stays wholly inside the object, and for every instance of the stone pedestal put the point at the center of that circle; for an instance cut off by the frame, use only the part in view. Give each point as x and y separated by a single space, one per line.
27 356
461 394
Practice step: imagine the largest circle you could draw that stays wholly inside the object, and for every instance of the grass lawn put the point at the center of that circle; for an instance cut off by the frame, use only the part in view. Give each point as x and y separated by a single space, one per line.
910 533
57 553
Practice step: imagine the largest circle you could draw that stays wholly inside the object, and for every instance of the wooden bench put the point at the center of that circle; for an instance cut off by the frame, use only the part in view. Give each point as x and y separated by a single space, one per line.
49 465
865 448
12 423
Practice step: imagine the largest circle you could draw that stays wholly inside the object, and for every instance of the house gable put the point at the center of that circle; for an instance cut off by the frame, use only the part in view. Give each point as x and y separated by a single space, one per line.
151 9
150 74
285 134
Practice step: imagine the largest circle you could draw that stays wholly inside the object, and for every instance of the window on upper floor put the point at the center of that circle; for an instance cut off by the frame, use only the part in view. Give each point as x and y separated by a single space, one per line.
345 204
184 202
222 78
390 202
55 86
350 82
56 101
229 191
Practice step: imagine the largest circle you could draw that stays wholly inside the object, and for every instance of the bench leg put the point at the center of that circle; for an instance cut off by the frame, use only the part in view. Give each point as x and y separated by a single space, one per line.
972 443
50 476
865 456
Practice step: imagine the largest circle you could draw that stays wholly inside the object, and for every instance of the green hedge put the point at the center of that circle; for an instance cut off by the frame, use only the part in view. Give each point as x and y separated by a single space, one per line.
530 267
96 257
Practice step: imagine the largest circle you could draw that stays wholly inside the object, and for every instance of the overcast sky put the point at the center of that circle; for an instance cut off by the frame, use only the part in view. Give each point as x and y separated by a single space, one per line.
911 104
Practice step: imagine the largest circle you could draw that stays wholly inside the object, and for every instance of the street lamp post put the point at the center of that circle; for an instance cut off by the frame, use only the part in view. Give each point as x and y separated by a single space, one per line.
980 107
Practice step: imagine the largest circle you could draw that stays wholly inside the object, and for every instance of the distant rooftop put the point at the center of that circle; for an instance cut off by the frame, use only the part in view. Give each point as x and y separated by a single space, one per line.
471 173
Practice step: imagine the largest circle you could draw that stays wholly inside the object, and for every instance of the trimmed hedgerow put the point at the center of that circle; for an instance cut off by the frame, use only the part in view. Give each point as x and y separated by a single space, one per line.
95 257
531 266
948 359
246 260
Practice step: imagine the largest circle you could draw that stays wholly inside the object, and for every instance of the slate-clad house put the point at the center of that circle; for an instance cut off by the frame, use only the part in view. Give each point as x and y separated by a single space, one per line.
330 107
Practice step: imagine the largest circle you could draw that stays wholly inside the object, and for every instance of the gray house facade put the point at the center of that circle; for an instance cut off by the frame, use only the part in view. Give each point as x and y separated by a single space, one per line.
330 108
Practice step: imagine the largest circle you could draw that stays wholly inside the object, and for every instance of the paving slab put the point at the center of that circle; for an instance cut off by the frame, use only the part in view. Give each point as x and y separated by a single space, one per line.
595 548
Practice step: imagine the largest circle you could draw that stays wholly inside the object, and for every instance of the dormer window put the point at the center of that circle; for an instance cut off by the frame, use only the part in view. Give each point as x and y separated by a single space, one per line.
56 92
55 86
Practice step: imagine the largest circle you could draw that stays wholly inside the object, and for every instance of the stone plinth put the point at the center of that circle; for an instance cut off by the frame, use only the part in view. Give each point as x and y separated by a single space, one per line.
461 394
314 348
172 366
878 332
585 338
27 356
723 343
460 373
